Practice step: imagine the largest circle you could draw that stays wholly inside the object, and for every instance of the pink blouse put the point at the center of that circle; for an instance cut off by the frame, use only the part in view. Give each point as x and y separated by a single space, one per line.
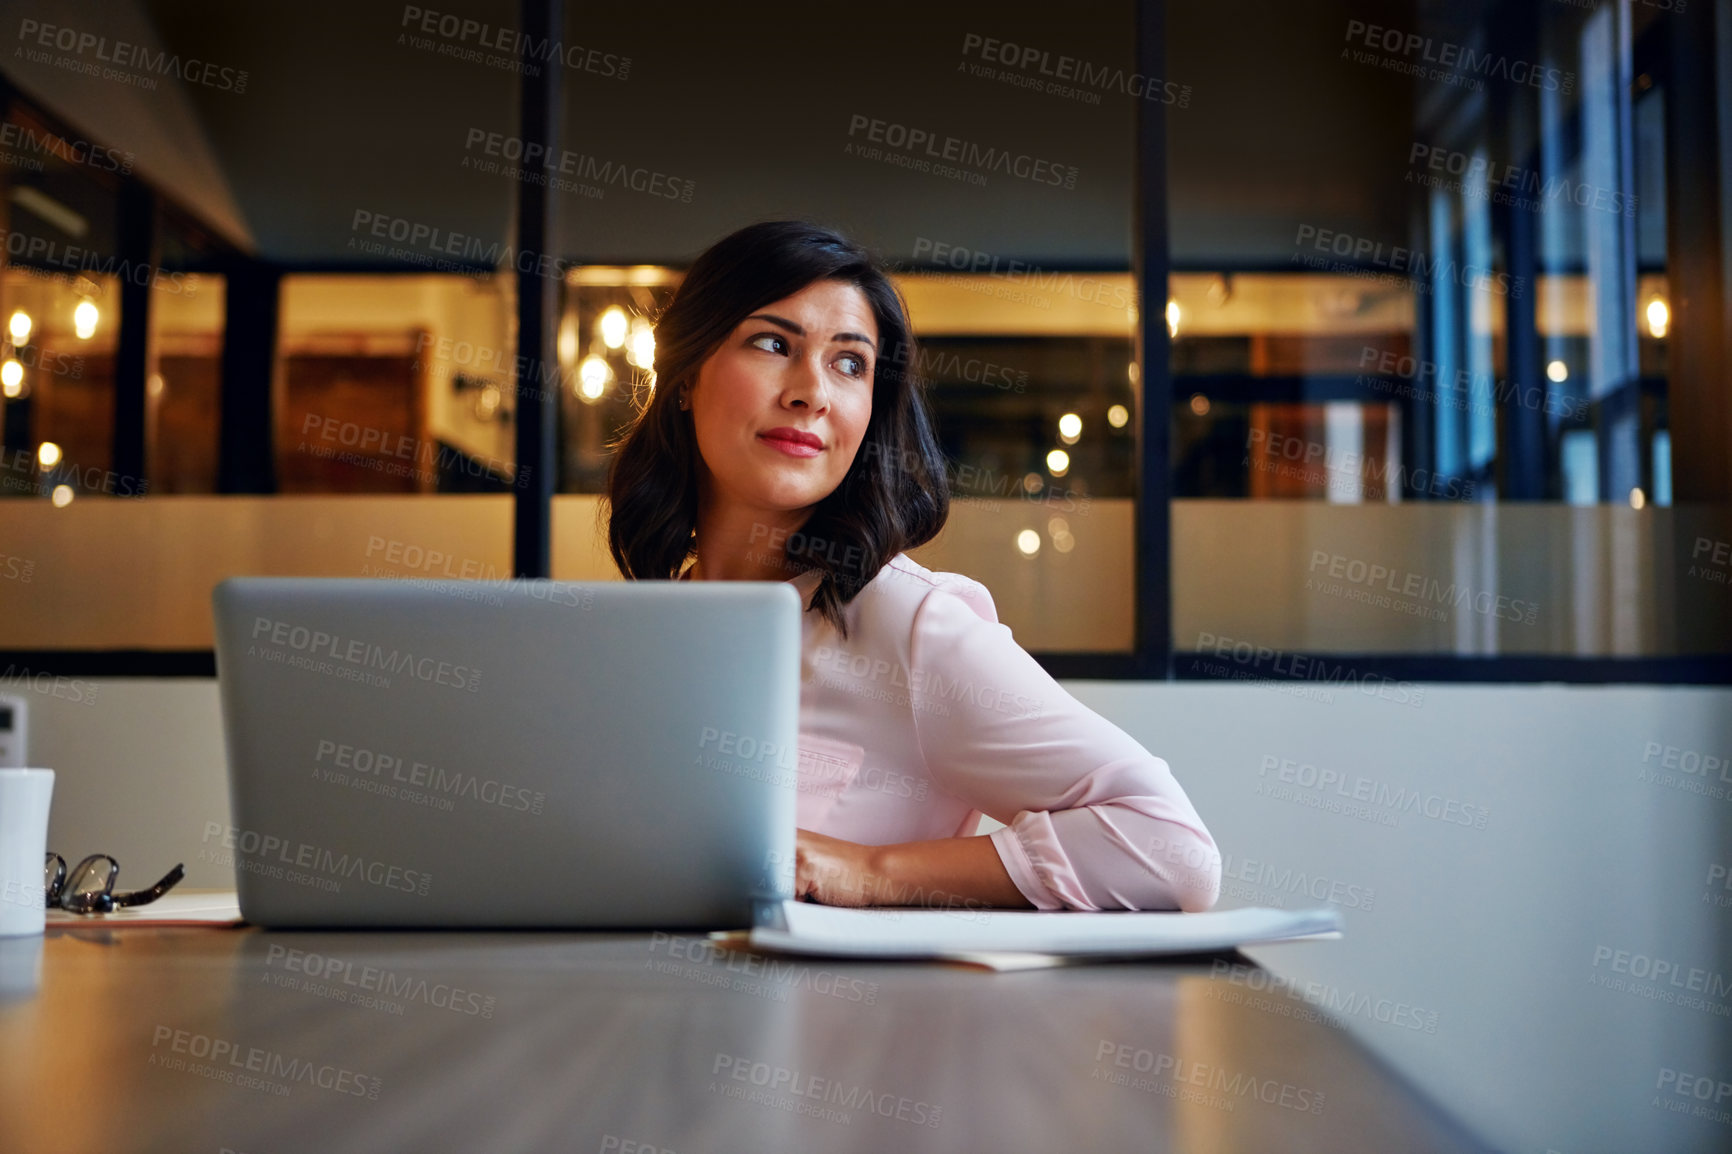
930 714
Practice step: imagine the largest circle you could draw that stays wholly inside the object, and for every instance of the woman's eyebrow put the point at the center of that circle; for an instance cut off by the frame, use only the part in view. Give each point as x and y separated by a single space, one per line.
784 322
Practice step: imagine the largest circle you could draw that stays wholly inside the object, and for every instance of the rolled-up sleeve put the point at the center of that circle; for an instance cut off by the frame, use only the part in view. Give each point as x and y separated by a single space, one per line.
1093 821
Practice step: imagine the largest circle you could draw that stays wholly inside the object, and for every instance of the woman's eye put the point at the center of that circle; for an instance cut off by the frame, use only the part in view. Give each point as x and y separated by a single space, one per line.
853 364
769 342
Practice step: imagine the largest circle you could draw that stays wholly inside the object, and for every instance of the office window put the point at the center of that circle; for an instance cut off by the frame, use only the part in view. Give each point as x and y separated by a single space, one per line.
57 381
1447 340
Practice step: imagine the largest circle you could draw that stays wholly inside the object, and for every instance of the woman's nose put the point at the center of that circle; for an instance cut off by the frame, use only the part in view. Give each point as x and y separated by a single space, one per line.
808 386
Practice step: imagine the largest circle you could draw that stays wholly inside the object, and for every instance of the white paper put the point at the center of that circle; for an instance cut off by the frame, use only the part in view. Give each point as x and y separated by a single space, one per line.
990 937
214 907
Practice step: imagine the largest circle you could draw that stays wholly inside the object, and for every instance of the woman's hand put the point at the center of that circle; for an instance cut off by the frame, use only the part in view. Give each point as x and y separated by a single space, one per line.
833 871
944 874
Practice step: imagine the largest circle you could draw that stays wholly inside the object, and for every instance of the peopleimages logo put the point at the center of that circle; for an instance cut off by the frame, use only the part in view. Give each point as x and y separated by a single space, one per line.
1404 264
72 259
977 262
1510 184
239 1060
430 241
1405 583
364 654
459 32
797 1084
934 146
1063 70
547 159
366 979
1394 799
1457 64
70 151
124 55
267 854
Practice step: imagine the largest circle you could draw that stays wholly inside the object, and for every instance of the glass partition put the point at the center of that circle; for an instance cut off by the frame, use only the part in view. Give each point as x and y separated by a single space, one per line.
1428 408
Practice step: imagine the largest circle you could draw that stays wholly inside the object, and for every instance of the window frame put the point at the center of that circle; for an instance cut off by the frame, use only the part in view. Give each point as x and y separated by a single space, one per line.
1153 657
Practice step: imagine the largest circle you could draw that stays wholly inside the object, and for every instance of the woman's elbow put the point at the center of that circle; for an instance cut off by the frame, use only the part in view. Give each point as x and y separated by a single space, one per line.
1186 867
1199 890
1176 889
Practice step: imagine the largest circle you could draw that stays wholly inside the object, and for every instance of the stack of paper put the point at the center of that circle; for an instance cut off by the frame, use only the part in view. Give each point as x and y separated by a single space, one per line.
1015 939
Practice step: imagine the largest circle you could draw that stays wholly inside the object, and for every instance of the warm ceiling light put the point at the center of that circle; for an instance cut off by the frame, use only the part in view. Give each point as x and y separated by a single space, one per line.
613 327
19 326
1028 541
84 319
1659 317
1118 416
12 377
1558 372
48 454
1058 462
1069 428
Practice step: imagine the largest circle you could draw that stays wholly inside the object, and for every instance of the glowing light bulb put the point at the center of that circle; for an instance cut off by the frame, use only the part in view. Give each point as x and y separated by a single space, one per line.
19 326
642 351
12 377
1637 498
1173 318
1118 416
1058 462
1659 317
62 496
613 327
84 319
1199 404
592 378
1069 428
48 454
1028 542
1558 372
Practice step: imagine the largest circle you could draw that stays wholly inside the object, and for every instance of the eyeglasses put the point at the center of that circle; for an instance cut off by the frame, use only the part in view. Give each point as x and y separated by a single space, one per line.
89 888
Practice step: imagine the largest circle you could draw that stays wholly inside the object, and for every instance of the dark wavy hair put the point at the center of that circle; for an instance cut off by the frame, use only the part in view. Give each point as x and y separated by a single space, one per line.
894 496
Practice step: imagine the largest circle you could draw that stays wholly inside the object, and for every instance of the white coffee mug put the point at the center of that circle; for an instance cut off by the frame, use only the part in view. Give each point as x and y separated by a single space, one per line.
24 798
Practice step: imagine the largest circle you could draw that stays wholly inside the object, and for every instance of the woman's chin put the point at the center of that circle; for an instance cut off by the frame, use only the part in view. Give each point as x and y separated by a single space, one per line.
788 494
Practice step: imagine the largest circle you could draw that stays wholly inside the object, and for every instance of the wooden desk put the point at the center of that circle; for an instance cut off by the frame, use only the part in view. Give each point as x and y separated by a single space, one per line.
269 1043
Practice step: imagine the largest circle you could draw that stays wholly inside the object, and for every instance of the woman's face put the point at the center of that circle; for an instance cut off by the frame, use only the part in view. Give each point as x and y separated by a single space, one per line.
781 407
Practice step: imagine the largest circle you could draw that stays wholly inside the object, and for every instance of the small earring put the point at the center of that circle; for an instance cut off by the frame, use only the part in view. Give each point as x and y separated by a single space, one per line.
685 402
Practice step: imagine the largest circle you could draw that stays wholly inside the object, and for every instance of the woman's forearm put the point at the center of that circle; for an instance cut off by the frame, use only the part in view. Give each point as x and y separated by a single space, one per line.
944 873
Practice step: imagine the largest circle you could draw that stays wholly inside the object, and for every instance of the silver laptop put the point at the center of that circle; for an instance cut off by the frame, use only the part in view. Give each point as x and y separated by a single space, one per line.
508 754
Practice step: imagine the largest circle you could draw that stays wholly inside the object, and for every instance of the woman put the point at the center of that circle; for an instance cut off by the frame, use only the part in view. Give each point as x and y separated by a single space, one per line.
788 435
